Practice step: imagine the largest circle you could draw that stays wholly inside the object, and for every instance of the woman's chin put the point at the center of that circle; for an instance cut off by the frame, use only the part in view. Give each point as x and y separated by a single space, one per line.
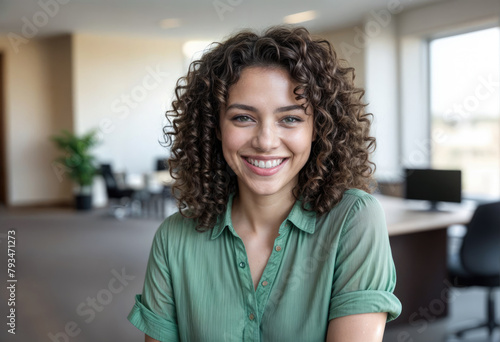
265 189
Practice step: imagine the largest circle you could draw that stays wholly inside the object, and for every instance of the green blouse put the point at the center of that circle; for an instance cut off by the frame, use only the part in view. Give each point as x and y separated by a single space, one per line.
198 286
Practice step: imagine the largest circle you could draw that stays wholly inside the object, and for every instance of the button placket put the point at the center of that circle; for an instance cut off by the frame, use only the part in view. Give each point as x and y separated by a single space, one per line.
269 276
247 290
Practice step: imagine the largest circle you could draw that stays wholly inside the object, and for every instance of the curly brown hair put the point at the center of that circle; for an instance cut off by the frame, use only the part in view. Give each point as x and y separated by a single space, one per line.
339 158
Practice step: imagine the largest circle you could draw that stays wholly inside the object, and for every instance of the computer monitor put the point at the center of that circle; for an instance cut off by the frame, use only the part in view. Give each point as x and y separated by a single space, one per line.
433 185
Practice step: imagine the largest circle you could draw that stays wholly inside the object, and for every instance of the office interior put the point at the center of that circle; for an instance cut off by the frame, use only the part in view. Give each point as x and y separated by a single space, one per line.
112 67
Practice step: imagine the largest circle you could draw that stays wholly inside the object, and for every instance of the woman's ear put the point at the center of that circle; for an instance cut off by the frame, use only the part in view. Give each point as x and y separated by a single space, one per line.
217 133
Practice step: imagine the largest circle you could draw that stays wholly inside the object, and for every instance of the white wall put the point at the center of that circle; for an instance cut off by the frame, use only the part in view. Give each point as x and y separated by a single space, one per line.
347 47
381 63
38 104
447 16
123 86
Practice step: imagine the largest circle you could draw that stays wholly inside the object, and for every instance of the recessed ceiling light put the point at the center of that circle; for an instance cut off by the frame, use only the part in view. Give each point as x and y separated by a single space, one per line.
299 17
170 23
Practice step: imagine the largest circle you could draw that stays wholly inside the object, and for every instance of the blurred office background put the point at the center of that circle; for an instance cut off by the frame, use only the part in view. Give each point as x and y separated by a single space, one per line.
431 74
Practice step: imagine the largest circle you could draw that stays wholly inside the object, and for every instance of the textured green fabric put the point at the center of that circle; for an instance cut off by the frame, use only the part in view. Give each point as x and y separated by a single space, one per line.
198 286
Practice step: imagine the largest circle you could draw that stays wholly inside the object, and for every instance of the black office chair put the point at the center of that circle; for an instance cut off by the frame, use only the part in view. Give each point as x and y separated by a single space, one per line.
166 193
120 198
478 262
162 164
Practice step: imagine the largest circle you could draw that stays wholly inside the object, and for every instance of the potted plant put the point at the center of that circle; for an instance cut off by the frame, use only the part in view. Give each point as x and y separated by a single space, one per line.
79 163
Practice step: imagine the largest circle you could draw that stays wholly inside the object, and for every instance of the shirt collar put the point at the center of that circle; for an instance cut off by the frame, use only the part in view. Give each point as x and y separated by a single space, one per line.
303 219
224 220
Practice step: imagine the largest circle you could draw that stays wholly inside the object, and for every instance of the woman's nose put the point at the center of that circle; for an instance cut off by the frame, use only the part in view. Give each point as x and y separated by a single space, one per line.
266 138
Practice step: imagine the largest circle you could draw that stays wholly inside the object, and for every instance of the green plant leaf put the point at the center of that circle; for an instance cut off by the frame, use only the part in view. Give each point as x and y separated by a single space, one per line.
77 158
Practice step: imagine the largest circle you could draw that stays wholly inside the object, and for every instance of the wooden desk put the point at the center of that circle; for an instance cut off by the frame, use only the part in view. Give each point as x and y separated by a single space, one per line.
419 247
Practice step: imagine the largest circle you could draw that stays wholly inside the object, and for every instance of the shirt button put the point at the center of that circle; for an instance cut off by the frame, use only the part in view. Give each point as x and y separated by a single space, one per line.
278 248
242 264
264 283
251 316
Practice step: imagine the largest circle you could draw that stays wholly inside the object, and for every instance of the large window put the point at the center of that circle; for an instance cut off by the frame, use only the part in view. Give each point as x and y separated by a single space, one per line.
465 108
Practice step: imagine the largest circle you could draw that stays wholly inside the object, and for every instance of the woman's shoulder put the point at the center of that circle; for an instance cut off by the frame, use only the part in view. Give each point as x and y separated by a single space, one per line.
357 199
365 211
359 194
176 219
354 203
175 225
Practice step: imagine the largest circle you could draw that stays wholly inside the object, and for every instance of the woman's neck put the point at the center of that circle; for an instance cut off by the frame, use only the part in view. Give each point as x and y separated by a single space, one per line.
259 215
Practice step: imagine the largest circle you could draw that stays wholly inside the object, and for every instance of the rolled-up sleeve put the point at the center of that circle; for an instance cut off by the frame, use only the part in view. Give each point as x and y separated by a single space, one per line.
154 311
364 274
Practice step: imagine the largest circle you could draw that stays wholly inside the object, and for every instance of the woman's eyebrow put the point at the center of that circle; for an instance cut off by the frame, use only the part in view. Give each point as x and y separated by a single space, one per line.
253 109
289 108
242 106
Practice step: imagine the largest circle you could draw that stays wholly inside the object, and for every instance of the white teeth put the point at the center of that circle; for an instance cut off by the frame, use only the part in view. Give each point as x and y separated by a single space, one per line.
265 164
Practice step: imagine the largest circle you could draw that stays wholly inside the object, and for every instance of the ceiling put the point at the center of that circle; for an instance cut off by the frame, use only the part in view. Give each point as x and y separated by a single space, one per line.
198 19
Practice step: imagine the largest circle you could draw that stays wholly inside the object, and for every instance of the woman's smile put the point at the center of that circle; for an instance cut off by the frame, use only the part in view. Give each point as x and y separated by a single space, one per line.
265 167
265 163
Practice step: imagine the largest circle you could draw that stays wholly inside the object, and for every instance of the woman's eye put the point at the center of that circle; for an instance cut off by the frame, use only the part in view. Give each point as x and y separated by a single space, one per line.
242 118
291 120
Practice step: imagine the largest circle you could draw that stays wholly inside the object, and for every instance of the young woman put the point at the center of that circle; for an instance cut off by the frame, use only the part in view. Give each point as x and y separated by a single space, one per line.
277 238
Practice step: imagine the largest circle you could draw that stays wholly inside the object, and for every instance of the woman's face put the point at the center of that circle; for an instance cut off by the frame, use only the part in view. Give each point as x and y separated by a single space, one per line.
266 135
